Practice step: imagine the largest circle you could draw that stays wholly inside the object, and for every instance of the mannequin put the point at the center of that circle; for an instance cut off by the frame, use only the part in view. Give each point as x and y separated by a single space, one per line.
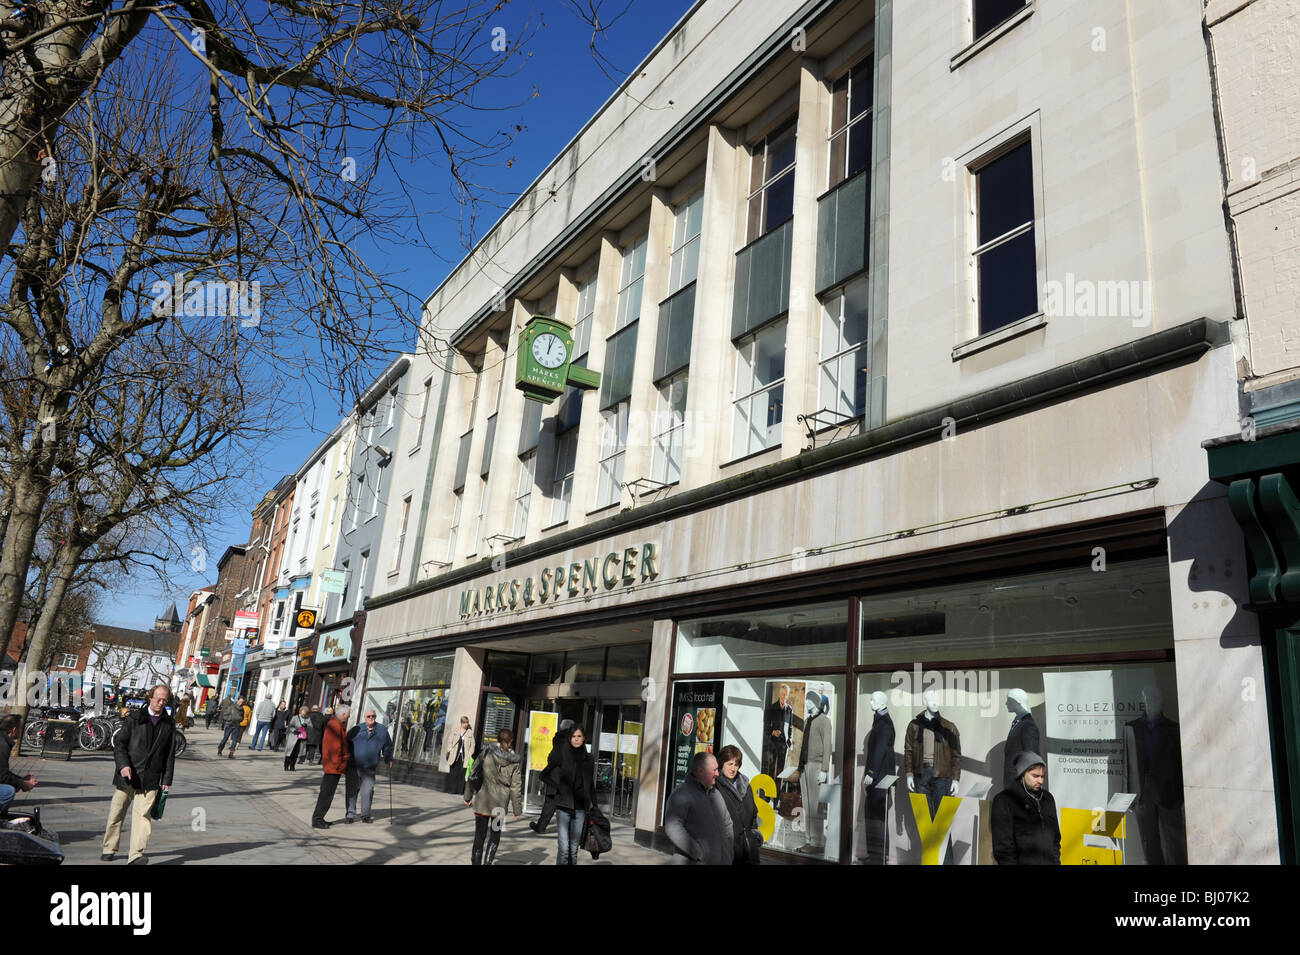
932 756
1023 737
778 726
814 769
1154 768
879 750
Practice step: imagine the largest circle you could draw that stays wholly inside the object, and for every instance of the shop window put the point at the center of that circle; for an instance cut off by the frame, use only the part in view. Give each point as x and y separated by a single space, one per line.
771 182
842 378
431 668
850 138
760 391
804 636
385 673
410 699
782 724
628 662
1005 258
987 15
669 437
613 453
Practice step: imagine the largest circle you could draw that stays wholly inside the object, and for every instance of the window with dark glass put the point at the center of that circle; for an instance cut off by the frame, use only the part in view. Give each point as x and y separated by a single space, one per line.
1006 267
990 14
771 182
851 122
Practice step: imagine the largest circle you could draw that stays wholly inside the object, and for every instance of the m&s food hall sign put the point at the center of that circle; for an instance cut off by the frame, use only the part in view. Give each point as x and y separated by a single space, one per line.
602 573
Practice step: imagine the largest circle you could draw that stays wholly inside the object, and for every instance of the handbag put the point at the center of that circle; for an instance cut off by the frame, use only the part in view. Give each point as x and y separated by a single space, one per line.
159 804
302 732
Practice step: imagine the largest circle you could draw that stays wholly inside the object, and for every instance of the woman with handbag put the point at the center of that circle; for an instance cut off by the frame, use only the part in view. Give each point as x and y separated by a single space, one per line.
739 799
494 785
568 771
459 752
298 728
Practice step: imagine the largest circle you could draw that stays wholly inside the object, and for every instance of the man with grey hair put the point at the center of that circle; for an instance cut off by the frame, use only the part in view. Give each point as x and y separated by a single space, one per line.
696 819
368 742
334 760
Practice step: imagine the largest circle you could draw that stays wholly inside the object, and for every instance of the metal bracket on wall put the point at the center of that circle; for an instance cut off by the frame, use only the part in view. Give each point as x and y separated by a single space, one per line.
820 420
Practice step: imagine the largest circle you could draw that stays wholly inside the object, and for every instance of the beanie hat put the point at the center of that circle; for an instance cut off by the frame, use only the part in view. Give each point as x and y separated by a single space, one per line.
1026 761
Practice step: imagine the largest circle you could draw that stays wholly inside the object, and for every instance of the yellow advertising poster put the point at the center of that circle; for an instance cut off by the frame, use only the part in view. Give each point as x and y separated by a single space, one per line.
629 745
541 733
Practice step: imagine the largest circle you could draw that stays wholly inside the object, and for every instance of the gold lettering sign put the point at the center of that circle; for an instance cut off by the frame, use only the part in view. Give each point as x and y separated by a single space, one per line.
620 569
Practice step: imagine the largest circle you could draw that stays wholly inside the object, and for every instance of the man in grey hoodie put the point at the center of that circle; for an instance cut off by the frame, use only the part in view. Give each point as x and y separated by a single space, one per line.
696 819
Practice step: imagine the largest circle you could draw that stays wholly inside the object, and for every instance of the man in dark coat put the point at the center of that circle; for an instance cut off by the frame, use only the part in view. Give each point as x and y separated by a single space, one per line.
696 819
778 725
879 748
143 757
11 728
1025 828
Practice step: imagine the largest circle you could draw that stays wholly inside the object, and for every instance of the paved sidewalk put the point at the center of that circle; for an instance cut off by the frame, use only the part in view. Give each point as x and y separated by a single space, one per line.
248 810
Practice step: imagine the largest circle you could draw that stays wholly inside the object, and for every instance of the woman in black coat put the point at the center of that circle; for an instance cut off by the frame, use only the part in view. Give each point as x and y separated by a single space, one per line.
569 772
739 799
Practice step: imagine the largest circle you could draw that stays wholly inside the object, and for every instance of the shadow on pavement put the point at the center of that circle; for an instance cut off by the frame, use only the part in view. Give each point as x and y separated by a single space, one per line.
217 850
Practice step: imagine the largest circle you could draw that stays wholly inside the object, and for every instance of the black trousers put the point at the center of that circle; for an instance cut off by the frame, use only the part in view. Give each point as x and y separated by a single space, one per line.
548 810
456 778
291 756
328 785
877 829
487 838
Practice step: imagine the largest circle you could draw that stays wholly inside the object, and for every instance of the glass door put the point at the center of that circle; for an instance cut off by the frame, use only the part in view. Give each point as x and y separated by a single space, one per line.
618 759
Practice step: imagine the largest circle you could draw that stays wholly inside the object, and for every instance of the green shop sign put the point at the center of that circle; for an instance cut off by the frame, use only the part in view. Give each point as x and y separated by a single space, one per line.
617 568
543 368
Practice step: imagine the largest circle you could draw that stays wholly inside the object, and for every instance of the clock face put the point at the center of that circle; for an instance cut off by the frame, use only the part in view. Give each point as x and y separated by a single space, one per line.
549 350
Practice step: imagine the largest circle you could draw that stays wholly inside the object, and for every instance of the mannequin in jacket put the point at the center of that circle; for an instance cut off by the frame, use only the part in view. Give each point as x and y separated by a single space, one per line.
1022 737
1153 763
814 768
932 754
879 750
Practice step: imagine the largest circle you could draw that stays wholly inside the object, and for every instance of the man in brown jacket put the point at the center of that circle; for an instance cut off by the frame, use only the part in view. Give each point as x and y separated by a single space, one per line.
334 760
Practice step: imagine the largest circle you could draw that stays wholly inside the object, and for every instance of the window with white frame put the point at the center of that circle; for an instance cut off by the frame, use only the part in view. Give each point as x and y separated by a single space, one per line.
583 314
669 430
850 138
842 379
401 532
631 282
771 182
277 627
370 428
988 15
524 494
424 410
374 501
760 390
482 514
68 661
455 526
347 582
613 453
361 581
1005 259
684 266
392 408
566 456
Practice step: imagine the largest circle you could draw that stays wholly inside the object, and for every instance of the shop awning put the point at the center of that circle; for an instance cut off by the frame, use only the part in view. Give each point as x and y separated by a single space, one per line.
205 680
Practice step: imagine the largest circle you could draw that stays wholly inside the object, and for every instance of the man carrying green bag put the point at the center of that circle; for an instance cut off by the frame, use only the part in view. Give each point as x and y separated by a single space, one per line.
143 756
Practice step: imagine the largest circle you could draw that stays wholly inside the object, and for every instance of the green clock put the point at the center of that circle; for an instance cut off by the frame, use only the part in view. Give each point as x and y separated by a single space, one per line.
543 368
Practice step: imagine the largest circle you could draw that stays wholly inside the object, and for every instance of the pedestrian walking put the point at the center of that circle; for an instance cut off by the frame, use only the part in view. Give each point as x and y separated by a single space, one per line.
491 790
548 797
232 722
459 752
368 743
315 727
1025 828
569 771
182 712
278 725
211 713
11 730
143 758
298 728
334 759
263 714
739 798
696 819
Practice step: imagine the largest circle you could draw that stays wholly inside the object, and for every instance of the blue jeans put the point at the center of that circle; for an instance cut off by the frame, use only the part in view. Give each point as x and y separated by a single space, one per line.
7 794
232 733
570 825
259 736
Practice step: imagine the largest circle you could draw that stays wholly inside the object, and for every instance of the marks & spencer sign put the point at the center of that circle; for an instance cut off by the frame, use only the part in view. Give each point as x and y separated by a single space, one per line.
600 574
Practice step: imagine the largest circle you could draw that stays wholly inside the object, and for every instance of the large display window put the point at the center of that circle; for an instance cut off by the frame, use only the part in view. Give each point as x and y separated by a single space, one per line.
410 697
935 744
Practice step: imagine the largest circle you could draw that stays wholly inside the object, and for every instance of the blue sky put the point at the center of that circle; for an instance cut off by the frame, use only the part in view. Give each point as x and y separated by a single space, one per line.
570 85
